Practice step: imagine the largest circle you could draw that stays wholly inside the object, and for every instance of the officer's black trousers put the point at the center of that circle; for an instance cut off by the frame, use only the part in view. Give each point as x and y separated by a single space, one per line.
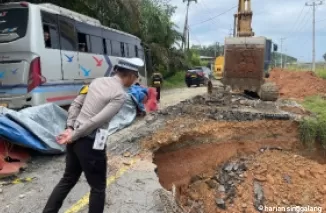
81 157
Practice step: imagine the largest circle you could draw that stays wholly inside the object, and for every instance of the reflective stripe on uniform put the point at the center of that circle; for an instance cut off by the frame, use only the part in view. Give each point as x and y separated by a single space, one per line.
84 90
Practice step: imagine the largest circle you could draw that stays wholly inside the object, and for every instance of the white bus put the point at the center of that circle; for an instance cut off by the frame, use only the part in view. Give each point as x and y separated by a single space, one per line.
47 53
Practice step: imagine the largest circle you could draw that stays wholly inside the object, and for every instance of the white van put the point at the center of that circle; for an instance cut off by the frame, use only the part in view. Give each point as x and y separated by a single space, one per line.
47 53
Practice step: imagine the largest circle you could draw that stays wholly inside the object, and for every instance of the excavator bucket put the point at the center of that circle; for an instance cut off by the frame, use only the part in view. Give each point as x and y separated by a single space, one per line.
244 63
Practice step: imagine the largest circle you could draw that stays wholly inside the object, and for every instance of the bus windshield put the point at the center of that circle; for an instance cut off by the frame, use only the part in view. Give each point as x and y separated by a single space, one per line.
13 24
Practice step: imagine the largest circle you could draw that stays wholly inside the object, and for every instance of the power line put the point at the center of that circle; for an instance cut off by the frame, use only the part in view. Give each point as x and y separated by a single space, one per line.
321 20
214 17
299 27
297 20
298 30
195 37
205 7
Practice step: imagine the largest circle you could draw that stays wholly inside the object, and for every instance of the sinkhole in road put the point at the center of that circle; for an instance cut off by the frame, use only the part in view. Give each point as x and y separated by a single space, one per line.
238 166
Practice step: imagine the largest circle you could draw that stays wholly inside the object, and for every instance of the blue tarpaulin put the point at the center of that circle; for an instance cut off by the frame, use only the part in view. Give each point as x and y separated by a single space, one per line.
34 127
37 127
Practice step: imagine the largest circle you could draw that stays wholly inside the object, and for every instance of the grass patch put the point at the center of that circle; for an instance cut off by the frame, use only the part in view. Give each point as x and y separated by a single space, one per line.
320 70
175 81
313 129
321 73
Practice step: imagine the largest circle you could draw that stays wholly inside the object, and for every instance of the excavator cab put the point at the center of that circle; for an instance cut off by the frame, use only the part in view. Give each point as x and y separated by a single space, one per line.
275 47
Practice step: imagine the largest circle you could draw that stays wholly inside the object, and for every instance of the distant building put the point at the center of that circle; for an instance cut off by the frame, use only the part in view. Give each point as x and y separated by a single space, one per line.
207 60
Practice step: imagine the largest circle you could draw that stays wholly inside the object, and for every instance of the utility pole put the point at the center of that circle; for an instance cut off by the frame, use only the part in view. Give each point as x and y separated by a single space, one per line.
185 42
217 49
282 39
313 5
231 32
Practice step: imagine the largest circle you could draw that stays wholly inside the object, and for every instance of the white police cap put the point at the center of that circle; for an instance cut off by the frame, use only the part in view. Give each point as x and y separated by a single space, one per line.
130 63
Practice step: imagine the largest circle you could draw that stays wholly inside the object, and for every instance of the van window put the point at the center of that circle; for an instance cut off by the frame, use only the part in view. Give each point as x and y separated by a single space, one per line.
13 24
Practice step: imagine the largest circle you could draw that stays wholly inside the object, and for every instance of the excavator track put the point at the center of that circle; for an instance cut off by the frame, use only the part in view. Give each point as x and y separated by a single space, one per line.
269 91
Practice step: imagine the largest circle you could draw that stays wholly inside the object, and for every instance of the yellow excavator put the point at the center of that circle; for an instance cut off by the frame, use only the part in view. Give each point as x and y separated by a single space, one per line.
247 58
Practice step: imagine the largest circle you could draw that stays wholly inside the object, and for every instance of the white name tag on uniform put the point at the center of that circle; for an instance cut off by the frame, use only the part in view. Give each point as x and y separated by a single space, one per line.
100 139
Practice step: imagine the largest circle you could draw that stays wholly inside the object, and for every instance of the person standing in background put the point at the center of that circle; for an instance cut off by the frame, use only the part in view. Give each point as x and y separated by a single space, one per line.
157 81
85 135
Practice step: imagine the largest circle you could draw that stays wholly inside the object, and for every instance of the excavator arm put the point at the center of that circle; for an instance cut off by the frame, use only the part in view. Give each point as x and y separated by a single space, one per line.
243 19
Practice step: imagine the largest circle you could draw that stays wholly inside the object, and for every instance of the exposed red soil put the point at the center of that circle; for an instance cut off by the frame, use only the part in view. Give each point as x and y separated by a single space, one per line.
307 186
298 85
209 144
226 140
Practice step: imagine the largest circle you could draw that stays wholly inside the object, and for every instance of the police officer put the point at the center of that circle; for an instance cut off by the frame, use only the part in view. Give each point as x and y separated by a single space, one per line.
157 80
88 117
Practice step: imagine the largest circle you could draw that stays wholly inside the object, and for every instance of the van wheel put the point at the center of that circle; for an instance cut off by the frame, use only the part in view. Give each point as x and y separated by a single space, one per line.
188 85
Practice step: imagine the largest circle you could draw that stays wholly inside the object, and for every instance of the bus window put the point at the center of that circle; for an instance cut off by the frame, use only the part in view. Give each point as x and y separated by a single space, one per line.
131 51
51 37
122 49
104 46
116 49
136 50
13 24
127 50
47 38
84 44
68 38
108 47
96 45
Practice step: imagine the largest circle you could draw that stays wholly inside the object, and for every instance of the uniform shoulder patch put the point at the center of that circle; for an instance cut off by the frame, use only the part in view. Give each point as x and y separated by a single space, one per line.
84 90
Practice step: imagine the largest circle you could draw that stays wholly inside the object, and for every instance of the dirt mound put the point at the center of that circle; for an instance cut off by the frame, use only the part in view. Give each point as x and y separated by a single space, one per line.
298 85
272 179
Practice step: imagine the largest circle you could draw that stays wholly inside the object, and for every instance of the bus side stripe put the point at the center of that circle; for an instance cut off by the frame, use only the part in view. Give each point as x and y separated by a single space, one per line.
42 89
108 61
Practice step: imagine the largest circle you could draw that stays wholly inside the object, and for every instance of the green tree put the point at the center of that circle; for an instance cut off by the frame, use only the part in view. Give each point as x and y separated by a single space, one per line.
324 56
209 50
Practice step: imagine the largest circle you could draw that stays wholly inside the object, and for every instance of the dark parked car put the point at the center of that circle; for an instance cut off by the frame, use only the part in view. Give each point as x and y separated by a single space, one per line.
198 76
194 77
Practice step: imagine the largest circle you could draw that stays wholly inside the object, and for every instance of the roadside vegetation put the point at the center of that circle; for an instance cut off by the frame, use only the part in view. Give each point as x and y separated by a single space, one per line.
320 69
313 129
175 81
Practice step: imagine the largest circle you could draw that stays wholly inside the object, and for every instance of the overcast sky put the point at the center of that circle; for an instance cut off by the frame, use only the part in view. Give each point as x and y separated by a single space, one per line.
272 18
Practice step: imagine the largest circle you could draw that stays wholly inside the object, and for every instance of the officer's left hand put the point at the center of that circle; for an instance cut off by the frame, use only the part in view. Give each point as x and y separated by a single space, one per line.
65 137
